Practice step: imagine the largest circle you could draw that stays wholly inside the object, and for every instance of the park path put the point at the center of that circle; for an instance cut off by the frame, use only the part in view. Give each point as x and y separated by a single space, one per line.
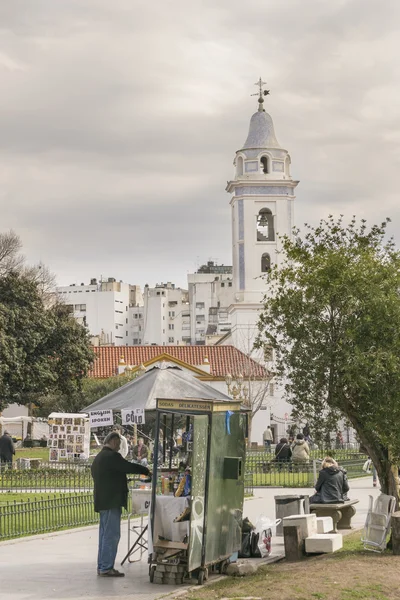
62 565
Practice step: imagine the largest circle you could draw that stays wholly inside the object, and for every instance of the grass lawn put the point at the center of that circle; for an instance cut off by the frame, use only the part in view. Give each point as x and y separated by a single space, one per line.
42 453
351 574
19 497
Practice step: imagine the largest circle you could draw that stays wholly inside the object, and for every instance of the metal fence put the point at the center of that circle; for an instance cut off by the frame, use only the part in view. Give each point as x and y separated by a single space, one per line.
266 472
47 514
47 479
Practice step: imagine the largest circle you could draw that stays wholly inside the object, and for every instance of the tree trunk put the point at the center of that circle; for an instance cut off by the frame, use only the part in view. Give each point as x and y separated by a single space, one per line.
380 455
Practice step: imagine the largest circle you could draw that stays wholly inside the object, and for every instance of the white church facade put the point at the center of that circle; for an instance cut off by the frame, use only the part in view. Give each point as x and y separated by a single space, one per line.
262 206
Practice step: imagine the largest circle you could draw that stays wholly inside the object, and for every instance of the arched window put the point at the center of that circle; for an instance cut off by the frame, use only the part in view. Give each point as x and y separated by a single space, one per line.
265 263
239 166
265 226
287 166
264 166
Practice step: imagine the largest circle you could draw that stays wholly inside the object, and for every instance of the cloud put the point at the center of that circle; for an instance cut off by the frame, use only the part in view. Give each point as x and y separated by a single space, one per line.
119 123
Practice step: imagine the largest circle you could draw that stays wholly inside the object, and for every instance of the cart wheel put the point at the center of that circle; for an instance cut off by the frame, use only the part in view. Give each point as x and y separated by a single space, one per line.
200 578
151 573
222 567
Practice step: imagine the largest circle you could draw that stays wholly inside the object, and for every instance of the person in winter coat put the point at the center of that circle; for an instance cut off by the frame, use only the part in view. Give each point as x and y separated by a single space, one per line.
6 449
300 450
109 471
332 485
283 451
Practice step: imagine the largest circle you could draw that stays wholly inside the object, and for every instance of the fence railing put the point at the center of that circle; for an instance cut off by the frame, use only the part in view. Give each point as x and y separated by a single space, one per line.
47 514
47 479
266 472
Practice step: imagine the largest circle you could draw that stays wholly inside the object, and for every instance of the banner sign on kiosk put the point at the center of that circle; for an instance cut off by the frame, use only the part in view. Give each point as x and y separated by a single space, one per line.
134 416
101 418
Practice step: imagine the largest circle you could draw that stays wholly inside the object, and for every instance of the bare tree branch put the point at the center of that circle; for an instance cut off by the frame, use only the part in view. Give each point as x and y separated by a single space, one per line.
10 257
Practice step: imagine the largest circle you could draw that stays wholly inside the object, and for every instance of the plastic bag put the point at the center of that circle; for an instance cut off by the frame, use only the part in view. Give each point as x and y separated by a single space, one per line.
245 549
263 530
367 465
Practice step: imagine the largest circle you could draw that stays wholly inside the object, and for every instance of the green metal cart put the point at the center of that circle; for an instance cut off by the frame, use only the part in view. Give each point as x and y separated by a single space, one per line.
217 446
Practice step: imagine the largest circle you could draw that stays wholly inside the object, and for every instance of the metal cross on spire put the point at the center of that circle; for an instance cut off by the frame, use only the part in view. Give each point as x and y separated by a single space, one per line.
260 83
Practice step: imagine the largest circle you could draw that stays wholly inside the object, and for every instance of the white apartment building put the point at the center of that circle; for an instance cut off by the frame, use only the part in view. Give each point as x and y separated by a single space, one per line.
166 316
104 308
210 295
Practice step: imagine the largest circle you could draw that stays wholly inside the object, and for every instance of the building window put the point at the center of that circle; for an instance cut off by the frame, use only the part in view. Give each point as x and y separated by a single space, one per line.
81 307
265 226
135 340
170 340
199 304
239 167
264 164
271 389
171 314
126 333
230 284
126 320
171 326
265 263
222 284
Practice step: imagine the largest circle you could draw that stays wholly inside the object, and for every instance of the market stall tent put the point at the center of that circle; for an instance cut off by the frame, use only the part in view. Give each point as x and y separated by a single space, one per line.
165 382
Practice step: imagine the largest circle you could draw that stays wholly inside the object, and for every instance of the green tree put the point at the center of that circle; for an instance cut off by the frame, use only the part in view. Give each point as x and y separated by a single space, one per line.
42 350
332 316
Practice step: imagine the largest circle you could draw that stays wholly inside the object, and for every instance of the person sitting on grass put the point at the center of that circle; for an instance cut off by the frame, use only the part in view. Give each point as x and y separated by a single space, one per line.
332 485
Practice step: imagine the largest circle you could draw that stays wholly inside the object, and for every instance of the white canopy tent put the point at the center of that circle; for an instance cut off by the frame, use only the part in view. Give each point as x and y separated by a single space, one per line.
18 427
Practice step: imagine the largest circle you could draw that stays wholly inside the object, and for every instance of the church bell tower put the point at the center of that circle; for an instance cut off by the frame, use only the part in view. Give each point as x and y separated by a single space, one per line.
262 206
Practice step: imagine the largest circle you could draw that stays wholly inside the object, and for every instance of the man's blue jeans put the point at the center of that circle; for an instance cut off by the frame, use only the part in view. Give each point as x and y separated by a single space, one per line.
109 535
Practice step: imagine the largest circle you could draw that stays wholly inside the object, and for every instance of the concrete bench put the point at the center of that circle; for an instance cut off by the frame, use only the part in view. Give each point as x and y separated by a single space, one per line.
341 513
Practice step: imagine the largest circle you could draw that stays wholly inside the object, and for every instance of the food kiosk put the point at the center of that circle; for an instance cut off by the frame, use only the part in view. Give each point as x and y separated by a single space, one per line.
196 526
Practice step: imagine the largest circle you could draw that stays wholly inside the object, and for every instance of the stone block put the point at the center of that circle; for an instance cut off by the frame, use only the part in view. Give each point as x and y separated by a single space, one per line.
324 524
241 569
323 543
307 524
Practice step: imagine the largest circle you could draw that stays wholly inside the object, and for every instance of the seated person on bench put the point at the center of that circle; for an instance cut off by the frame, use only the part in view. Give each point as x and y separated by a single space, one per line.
332 485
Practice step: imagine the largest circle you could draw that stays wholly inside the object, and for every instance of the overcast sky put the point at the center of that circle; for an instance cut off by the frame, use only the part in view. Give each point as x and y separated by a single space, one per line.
119 122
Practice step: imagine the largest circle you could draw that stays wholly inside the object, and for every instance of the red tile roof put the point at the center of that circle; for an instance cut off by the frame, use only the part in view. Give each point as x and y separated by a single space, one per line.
222 359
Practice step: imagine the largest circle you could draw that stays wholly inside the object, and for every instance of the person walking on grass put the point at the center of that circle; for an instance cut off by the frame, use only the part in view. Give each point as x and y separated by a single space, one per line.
268 438
7 449
109 472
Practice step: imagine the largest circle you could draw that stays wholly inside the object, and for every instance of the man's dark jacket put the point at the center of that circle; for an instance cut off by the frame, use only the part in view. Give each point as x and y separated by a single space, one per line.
283 452
109 472
6 448
332 485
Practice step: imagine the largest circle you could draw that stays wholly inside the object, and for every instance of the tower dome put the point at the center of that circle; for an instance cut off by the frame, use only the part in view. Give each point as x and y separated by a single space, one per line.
261 132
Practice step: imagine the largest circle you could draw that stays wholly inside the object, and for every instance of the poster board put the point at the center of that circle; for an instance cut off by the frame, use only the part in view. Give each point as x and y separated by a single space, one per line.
69 436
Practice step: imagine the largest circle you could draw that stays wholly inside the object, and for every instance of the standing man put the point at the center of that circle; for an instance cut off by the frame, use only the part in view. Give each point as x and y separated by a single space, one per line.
268 438
109 472
6 449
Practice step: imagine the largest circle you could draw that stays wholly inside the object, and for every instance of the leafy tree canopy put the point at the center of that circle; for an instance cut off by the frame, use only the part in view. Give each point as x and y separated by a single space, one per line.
332 316
42 349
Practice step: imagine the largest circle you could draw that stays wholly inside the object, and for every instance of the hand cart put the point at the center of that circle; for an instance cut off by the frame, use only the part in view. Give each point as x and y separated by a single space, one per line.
140 505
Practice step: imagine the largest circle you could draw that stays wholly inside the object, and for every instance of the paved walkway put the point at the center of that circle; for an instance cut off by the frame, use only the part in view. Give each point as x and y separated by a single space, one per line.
63 565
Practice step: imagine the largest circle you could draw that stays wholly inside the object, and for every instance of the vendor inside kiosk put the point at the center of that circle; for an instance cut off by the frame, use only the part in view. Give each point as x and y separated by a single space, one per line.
197 504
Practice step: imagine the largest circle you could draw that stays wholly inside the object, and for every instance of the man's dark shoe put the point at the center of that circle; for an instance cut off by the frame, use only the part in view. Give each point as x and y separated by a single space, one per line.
111 573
